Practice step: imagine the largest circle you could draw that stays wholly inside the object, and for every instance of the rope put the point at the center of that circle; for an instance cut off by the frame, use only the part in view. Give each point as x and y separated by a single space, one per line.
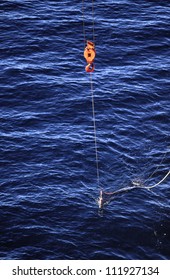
104 201
135 187
84 32
83 16
95 134
93 19
163 179
157 168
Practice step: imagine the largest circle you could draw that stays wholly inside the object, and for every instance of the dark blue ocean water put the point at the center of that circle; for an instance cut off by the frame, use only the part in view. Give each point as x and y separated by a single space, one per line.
47 163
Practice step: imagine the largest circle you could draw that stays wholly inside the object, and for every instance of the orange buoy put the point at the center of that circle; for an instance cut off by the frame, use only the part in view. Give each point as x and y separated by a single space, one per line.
89 52
90 67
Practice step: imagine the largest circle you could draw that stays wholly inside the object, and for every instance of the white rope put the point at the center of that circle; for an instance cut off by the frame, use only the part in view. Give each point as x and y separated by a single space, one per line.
84 32
157 184
157 168
137 187
95 136
93 19
83 18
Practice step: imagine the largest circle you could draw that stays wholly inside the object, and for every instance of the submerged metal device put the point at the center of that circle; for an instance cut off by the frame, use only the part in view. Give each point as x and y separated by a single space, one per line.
100 200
